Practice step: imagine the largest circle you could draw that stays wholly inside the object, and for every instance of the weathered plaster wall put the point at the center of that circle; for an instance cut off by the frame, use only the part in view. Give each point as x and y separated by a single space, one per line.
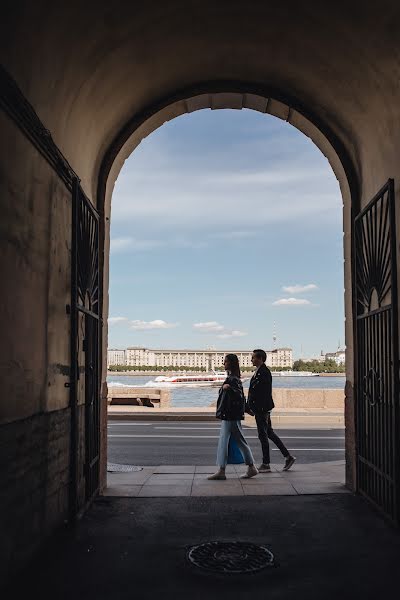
35 230
35 267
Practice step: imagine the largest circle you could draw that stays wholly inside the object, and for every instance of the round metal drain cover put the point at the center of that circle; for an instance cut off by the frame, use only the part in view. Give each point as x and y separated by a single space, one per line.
115 468
230 557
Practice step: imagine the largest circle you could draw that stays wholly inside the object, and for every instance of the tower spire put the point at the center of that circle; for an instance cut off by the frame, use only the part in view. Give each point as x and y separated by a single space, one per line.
274 336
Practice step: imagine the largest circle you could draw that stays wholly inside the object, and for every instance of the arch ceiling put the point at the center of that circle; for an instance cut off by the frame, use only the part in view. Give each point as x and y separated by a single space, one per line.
94 65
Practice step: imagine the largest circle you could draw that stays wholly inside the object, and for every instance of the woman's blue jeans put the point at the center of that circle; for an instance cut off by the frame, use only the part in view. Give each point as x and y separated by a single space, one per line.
234 429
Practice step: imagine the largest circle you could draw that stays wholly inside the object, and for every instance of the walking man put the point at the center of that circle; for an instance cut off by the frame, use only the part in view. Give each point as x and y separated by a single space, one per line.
260 404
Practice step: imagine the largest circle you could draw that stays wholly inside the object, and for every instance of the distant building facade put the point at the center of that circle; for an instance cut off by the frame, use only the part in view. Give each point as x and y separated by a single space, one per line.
138 356
116 357
318 358
339 357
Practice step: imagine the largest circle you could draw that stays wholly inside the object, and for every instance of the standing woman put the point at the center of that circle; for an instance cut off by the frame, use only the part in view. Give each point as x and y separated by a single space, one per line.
230 409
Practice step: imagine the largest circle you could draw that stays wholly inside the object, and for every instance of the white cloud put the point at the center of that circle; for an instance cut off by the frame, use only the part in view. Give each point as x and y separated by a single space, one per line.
300 289
208 327
233 333
142 325
116 320
220 330
291 302
156 324
124 244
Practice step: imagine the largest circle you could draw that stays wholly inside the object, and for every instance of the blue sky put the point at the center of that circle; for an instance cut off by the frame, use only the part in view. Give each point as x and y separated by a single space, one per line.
222 224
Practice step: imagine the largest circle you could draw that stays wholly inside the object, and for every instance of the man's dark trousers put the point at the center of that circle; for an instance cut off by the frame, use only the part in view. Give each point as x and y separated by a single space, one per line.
265 431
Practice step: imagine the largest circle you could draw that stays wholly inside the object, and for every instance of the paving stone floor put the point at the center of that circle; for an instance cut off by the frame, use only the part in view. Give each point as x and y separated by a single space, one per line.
326 547
154 482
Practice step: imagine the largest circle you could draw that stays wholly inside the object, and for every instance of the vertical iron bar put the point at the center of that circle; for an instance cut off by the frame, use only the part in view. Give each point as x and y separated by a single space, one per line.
73 483
395 355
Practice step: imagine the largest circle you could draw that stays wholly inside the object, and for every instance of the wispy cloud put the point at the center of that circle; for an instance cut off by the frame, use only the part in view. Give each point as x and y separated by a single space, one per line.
231 334
124 244
194 190
156 324
300 289
221 331
270 177
116 320
141 325
291 302
208 327
130 244
233 235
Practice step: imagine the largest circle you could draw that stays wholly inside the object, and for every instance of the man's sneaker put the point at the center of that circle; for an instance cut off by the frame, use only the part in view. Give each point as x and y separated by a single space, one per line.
264 468
289 462
251 472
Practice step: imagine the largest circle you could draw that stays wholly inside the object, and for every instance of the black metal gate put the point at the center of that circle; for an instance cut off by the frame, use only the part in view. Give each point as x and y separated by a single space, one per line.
85 351
377 353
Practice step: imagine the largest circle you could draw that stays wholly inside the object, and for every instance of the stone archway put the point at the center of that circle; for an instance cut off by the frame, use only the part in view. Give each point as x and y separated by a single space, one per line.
79 74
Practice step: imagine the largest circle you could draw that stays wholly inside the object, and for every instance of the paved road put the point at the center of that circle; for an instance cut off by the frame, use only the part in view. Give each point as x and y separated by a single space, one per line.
177 443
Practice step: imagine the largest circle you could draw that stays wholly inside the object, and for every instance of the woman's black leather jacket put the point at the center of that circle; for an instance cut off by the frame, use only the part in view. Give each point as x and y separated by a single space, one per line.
231 402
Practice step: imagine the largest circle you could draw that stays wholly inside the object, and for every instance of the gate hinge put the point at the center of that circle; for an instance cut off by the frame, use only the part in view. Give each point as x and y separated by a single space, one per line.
68 309
67 384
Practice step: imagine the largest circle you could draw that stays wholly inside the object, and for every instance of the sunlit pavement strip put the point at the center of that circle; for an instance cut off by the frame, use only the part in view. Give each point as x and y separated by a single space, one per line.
155 482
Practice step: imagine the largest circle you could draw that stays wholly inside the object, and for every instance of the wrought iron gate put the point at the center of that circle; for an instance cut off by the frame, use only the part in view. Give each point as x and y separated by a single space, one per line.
85 322
377 353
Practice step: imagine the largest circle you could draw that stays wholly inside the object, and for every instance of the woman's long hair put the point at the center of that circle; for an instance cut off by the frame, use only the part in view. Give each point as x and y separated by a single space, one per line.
233 361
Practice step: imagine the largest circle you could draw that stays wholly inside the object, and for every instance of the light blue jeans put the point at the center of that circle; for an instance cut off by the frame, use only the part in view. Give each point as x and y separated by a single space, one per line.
234 429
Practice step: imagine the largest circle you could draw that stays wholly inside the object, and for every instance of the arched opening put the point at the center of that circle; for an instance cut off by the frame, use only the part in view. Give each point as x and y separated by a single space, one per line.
192 192
227 95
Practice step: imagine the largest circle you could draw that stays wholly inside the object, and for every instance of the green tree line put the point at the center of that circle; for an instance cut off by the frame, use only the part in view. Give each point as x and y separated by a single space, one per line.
328 366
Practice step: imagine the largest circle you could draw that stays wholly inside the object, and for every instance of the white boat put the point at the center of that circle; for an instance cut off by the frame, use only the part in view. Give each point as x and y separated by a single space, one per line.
200 379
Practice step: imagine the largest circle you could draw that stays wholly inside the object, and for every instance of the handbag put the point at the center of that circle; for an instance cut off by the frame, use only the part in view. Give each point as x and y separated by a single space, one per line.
235 456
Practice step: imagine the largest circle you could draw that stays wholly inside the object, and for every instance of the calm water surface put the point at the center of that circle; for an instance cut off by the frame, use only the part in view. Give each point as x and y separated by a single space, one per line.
206 396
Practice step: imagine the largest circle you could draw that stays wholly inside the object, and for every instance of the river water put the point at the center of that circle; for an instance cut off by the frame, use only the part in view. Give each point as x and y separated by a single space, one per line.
206 396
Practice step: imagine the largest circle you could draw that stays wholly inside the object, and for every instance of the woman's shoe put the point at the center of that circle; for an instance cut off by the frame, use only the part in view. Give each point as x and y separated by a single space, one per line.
251 472
218 475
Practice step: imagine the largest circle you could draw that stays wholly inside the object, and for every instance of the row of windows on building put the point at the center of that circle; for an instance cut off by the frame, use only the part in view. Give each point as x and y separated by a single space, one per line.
206 359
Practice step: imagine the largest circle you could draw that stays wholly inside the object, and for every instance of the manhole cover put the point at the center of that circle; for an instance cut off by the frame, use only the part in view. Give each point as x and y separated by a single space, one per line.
230 557
115 468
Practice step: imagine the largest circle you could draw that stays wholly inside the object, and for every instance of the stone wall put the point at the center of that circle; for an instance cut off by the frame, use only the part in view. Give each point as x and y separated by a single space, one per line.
139 395
34 467
309 398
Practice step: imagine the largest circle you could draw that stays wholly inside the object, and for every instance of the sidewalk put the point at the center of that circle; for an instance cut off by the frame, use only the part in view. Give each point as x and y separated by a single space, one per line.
157 482
287 417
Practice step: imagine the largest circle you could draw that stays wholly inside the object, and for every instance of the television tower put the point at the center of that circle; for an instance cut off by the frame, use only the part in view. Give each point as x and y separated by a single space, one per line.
274 337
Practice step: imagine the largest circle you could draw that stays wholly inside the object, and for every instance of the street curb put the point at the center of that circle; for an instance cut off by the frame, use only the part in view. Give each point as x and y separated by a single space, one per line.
293 420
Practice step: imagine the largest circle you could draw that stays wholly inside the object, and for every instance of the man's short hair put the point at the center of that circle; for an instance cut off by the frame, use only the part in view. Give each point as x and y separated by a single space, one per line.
260 354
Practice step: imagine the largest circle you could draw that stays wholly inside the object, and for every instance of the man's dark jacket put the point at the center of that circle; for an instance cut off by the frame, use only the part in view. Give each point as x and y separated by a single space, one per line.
259 399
